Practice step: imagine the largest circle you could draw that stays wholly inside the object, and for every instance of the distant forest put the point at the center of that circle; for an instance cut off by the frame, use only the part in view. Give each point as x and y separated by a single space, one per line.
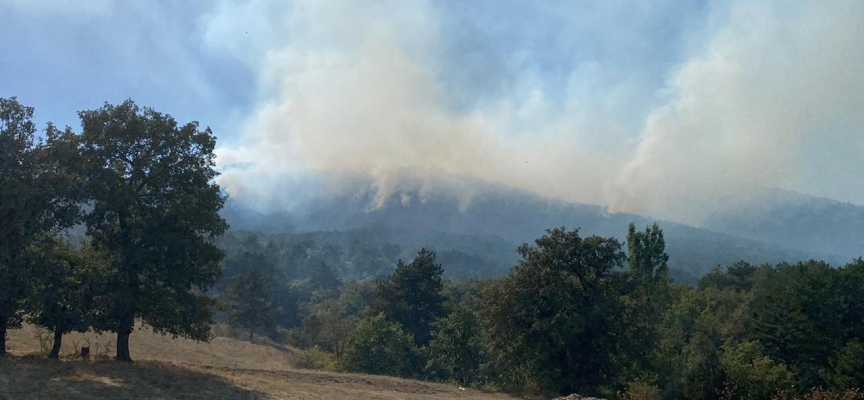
590 315
119 226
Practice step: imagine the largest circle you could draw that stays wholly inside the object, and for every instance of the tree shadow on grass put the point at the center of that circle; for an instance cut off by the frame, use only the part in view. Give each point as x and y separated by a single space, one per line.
32 378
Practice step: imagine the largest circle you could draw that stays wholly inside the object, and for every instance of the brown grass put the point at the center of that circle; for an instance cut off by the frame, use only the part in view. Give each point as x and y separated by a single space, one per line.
146 345
31 378
168 368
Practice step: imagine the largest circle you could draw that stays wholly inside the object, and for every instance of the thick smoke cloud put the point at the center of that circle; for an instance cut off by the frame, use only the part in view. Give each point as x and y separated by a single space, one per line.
774 100
751 95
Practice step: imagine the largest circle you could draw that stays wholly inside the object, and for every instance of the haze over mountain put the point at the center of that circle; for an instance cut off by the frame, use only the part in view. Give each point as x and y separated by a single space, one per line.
736 117
731 100
489 221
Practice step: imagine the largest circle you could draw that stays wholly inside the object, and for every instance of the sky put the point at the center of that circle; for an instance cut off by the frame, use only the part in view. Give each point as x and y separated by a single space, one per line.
669 108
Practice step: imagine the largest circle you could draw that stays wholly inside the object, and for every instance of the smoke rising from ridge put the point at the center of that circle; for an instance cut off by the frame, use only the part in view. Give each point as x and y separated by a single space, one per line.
760 95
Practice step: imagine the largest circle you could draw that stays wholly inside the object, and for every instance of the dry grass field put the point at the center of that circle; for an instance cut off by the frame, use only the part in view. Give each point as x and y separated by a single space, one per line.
168 368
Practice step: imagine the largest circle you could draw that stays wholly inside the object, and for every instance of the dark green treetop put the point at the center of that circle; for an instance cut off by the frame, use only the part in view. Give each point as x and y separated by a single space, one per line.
154 210
412 296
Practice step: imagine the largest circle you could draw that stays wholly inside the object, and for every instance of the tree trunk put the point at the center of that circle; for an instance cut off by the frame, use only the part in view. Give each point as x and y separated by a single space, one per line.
251 335
58 340
2 339
123 345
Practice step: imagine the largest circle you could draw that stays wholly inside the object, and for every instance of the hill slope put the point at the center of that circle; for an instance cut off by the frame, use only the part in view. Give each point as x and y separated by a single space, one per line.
166 368
502 218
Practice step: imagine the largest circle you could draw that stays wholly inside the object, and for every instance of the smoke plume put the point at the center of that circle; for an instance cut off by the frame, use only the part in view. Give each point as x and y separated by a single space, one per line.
750 95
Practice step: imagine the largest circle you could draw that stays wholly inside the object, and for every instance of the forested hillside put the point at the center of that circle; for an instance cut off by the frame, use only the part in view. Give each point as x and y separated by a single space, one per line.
497 219
782 218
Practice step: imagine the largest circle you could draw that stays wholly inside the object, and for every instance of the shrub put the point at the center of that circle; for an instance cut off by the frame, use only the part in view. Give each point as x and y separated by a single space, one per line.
752 373
315 358
456 350
381 347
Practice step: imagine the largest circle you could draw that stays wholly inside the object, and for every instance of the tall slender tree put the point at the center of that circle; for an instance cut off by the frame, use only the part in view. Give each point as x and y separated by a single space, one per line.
649 294
154 210
251 303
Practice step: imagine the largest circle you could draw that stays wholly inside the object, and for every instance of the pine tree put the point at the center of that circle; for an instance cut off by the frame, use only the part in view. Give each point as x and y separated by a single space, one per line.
251 304
412 297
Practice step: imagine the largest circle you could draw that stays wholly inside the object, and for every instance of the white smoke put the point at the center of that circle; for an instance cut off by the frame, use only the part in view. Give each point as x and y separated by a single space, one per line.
774 100
770 95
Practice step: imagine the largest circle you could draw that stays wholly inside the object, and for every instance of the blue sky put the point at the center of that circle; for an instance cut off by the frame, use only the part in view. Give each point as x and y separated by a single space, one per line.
71 55
62 58
650 107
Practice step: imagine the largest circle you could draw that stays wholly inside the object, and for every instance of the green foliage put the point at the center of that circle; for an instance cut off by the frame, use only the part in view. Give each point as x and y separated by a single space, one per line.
64 285
646 256
154 210
693 332
329 321
251 304
847 366
18 187
753 375
412 297
36 198
379 346
284 295
327 330
467 293
740 276
456 350
799 318
647 296
322 278
552 320
315 358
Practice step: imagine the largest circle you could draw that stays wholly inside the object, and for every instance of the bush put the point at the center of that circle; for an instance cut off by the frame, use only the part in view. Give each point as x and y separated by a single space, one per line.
315 358
456 350
379 346
753 374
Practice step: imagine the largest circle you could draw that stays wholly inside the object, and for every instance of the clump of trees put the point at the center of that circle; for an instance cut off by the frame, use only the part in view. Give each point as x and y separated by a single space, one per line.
596 316
142 186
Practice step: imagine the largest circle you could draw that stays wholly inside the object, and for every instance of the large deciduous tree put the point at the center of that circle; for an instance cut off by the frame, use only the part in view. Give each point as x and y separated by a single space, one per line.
554 324
153 208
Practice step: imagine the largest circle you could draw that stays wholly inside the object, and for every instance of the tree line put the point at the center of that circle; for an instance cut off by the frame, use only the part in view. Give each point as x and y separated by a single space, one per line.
589 315
141 185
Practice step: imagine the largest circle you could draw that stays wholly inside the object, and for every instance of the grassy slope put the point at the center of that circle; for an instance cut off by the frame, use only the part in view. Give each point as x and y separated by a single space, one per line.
166 368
